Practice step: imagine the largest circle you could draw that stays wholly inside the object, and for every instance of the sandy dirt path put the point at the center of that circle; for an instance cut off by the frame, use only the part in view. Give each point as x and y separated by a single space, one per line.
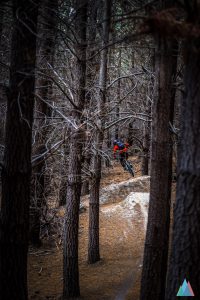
115 277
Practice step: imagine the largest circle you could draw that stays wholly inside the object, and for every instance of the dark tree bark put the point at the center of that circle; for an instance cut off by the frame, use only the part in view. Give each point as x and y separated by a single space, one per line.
1 19
16 170
147 126
92 28
146 142
184 260
85 189
63 192
2 87
118 94
70 263
157 236
70 267
130 134
63 185
47 29
130 125
93 241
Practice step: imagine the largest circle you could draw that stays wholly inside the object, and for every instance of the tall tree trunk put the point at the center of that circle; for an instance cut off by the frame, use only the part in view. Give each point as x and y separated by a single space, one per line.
93 242
147 127
16 170
157 236
64 172
92 28
2 87
46 53
184 260
1 19
130 125
70 262
146 142
118 93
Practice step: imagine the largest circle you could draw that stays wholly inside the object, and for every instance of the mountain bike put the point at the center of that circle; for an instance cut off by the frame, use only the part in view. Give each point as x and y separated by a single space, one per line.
128 166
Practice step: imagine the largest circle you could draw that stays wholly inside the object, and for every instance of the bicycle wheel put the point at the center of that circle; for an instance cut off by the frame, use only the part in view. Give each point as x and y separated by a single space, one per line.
129 168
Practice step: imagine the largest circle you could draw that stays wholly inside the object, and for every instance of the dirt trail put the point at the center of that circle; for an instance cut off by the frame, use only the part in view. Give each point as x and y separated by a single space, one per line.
117 275
126 285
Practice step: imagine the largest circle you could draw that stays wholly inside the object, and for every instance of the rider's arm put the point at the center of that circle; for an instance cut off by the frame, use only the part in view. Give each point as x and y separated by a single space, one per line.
124 150
115 149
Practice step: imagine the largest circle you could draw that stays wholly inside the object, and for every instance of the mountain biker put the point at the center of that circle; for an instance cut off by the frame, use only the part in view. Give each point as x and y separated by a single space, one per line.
122 147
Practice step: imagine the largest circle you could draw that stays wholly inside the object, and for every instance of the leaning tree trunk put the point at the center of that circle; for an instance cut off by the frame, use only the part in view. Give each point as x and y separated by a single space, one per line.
70 262
184 260
47 28
16 169
93 241
157 236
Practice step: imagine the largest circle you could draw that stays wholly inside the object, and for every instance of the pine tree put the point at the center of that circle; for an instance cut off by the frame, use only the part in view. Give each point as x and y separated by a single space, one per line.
16 169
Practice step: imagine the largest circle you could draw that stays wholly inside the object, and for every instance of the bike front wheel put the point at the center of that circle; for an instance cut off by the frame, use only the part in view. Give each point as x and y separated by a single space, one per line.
129 168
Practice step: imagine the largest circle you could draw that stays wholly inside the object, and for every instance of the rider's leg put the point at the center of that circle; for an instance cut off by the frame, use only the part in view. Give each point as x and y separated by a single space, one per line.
122 158
127 155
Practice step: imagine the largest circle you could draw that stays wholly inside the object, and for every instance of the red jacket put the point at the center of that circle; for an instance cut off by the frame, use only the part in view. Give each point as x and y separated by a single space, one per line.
116 148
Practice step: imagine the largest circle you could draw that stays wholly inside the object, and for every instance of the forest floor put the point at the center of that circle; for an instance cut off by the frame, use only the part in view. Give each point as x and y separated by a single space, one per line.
117 275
